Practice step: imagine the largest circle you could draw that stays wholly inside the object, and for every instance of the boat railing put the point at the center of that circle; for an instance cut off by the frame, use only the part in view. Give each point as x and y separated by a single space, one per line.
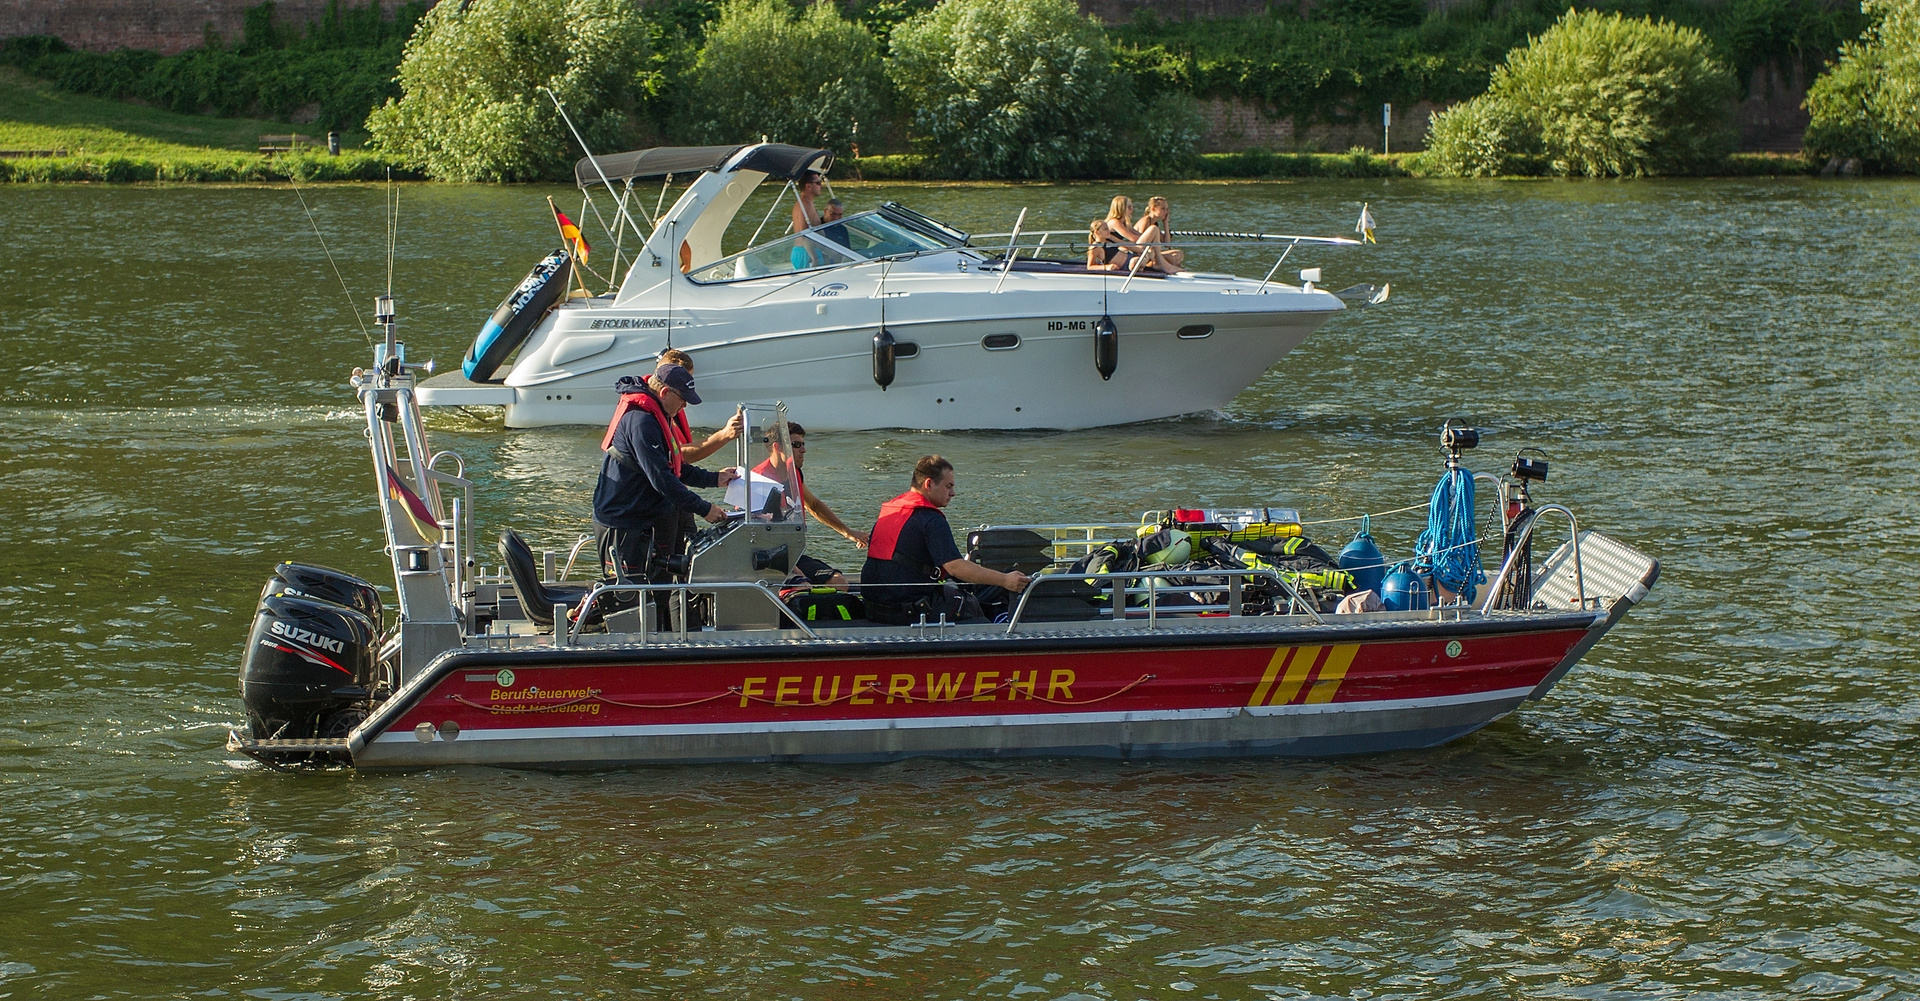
565 632
1164 581
1076 540
1520 549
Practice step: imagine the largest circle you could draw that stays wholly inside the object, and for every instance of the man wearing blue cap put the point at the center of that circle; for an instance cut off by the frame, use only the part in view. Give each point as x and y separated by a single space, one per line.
643 481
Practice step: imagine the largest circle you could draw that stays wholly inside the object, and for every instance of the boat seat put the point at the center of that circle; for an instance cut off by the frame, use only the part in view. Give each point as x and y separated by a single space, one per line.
537 598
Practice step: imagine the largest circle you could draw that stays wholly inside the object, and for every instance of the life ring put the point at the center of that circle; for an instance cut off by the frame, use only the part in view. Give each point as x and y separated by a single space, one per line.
519 312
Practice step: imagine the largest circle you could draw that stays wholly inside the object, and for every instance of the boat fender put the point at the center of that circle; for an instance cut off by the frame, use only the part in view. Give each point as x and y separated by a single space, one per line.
1363 559
1106 348
1404 591
883 347
517 315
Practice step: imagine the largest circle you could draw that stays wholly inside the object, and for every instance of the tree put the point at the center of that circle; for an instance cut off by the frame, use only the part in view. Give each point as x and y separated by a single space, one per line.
1009 88
1597 95
1867 106
811 78
470 110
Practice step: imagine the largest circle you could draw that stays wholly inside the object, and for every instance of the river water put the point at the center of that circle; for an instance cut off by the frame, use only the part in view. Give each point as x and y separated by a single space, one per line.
1723 801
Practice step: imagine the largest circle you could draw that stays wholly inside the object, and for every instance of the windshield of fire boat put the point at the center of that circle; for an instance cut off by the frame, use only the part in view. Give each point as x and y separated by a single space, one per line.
858 237
771 490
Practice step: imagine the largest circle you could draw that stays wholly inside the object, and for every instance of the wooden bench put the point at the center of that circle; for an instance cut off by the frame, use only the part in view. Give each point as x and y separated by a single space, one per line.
270 145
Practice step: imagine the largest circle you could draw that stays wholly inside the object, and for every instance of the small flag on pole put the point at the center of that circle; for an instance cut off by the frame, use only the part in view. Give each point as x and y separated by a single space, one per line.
1365 226
570 232
418 514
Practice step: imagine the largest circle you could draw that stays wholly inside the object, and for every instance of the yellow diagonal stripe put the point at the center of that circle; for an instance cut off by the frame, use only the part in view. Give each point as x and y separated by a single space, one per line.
1266 681
1297 670
1332 673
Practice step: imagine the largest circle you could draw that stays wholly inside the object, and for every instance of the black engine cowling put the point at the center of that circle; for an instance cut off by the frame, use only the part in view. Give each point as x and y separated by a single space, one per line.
307 580
308 664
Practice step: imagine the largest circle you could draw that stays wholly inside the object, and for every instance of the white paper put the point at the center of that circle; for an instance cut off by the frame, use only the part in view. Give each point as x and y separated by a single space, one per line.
761 487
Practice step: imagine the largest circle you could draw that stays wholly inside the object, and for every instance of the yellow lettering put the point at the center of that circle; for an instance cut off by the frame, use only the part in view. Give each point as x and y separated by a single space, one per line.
861 683
1062 682
834 697
1015 686
901 685
983 685
750 688
785 694
947 688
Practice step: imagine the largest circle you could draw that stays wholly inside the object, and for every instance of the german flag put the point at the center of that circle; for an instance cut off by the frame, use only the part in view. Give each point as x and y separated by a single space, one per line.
418 514
570 232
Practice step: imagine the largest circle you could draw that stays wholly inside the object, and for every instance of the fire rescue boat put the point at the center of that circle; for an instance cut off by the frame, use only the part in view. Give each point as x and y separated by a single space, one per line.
1242 653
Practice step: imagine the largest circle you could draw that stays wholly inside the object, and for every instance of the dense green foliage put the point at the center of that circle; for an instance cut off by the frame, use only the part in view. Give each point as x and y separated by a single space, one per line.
1007 88
1868 105
1342 58
472 109
806 77
1597 95
330 74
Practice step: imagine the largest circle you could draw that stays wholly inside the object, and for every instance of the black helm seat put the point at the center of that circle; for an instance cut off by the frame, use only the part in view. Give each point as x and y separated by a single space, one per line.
537 598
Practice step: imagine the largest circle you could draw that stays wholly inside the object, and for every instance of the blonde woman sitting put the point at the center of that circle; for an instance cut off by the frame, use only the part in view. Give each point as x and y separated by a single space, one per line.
1104 253
1118 212
1156 228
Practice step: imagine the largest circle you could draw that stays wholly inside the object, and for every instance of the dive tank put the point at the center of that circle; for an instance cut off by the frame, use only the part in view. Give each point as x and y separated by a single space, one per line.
1404 591
1363 559
306 580
307 663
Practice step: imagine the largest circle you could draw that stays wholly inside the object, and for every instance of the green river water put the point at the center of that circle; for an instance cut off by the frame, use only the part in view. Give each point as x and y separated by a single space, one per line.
1723 801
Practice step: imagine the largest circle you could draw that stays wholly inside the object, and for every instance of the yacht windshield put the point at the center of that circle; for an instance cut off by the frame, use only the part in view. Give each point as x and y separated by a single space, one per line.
858 237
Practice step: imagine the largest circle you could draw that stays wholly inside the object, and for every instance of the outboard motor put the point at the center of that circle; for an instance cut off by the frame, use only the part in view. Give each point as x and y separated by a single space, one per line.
306 580
308 668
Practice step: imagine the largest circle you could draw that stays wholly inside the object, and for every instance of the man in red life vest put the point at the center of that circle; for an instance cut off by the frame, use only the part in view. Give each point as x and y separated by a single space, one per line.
643 482
912 548
816 571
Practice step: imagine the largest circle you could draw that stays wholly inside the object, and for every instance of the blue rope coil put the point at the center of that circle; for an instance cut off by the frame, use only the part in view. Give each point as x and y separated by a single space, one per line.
1448 548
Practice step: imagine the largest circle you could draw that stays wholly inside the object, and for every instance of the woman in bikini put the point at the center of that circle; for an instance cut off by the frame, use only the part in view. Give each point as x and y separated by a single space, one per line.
1118 212
1156 227
805 217
1104 253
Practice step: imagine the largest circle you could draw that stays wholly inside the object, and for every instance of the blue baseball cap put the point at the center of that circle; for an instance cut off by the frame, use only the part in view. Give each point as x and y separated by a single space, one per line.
680 380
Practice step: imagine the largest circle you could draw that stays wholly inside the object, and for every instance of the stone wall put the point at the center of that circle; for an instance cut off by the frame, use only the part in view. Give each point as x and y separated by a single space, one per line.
166 26
1234 124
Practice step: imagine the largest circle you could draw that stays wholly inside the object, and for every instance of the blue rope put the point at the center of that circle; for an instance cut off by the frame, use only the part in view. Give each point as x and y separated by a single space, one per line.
1447 547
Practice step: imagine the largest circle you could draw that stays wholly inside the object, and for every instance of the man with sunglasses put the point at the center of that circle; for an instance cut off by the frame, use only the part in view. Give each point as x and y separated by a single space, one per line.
816 571
644 483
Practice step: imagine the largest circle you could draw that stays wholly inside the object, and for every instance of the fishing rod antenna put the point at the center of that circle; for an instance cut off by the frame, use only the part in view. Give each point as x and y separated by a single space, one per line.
330 262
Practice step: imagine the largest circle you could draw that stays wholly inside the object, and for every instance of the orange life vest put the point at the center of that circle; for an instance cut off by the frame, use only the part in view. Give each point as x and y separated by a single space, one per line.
651 404
893 518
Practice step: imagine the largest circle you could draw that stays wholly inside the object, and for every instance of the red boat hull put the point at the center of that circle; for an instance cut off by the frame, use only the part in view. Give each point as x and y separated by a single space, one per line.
1168 693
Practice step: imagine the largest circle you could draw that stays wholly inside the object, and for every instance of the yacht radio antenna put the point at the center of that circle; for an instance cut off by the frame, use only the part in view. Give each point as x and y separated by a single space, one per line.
618 204
329 252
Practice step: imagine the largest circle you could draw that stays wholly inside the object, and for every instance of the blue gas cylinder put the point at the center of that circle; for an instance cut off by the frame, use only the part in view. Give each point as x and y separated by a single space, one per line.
1404 591
1362 558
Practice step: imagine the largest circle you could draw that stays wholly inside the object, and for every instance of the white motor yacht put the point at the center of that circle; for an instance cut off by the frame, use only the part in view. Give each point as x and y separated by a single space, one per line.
883 319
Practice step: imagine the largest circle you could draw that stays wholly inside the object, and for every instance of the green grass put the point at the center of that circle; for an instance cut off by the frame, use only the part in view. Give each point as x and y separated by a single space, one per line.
119 141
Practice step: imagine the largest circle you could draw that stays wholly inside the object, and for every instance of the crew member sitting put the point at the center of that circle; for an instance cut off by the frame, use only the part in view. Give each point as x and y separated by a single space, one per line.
643 481
911 550
816 571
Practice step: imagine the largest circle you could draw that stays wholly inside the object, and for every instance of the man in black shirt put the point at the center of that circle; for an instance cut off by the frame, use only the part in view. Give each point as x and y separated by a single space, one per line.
643 482
912 548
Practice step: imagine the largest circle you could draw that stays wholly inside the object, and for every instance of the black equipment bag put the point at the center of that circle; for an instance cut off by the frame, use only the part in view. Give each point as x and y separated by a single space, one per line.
826 606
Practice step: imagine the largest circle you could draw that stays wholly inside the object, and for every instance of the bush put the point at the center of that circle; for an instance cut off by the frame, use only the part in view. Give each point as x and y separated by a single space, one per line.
1597 95
1009 88
1868 105
1484 137
814 78
471 110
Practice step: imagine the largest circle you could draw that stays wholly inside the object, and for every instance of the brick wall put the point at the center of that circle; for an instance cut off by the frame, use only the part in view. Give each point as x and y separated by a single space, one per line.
166 26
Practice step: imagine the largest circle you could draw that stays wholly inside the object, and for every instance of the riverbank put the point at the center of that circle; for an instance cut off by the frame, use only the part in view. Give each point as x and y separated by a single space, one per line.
73 138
